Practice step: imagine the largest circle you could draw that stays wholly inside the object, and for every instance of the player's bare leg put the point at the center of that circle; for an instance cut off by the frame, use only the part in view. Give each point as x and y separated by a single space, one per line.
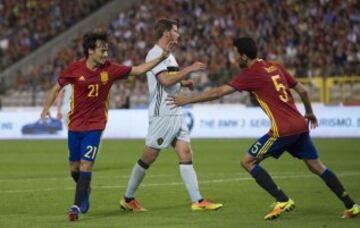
283 203
331 180
148 157
188 174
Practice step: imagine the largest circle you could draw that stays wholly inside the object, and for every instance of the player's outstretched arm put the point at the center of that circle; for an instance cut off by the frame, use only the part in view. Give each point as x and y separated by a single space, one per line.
50 100
166 81
209 95
145 67
309 114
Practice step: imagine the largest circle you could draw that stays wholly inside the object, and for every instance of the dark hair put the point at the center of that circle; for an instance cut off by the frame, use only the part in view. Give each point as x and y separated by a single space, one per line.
89 41
162 25
247 46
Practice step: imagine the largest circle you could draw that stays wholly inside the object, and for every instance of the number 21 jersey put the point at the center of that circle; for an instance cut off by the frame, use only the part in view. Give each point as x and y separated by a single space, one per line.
90 97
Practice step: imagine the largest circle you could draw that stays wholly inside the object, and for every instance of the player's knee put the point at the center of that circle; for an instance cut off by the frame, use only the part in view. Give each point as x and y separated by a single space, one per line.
318 170
311 169
86 166
185 155
147 160
248 163
75 167
245 164
316 167
149 156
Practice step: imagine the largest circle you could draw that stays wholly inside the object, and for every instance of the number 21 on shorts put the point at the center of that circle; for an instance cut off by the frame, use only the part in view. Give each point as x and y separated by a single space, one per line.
91 152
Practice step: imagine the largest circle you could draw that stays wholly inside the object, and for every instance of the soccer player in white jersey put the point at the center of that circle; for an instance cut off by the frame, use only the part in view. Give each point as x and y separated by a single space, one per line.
167 126
63 104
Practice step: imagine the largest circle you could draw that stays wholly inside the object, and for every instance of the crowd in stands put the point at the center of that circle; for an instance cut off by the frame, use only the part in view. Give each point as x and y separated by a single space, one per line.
27 24
311 38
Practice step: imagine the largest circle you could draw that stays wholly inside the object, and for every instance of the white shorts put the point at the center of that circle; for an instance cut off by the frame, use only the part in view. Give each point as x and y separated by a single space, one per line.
164 129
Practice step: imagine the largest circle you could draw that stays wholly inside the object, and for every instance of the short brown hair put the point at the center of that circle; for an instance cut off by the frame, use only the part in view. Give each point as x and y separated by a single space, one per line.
90 38
162 25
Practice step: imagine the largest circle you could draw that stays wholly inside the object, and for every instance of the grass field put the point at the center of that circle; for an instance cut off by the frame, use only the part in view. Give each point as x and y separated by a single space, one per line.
36 191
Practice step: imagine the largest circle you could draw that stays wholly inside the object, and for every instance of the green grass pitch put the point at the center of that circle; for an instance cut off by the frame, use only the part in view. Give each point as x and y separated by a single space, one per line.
36 190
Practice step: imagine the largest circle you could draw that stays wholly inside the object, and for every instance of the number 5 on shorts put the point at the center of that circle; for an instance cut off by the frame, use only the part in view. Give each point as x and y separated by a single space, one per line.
91 152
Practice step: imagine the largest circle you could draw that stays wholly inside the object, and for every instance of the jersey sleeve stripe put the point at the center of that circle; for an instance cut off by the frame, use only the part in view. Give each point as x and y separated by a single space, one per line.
270 115
160 72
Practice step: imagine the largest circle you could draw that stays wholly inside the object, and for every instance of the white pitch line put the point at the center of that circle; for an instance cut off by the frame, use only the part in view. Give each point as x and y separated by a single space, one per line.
69 178
174 183
152 176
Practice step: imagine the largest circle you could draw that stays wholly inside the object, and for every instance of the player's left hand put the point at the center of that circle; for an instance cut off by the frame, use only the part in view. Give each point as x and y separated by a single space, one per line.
188 83
176 101
312 120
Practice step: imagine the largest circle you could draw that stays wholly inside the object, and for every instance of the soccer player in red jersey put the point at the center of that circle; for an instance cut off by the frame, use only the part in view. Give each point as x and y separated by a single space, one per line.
271 84
91 79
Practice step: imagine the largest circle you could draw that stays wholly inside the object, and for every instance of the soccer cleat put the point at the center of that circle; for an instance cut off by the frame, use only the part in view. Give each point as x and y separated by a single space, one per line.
85 204
205 205
133 205
352 212
73 214
280 207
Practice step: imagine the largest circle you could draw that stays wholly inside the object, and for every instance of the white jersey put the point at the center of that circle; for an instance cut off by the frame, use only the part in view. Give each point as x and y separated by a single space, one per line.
65 105
157 92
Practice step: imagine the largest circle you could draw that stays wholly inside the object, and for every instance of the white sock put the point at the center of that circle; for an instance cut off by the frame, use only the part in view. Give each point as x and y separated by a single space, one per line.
137 175
190 180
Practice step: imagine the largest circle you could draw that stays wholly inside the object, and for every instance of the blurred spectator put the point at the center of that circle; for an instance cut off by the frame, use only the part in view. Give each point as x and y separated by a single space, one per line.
311 38
27 24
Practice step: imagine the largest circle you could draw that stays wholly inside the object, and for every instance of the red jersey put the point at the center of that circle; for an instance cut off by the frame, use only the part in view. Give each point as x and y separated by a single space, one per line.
271 83
91 89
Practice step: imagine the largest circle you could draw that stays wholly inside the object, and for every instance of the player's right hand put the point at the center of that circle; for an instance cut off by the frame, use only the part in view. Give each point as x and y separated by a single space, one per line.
198 66
45 113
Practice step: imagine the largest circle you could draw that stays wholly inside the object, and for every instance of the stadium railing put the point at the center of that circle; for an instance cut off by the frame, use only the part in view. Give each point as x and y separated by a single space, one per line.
328 90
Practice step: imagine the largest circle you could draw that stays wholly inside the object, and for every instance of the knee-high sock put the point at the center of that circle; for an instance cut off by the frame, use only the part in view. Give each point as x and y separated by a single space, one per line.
137 175
82 186
267 183
188 175
335 185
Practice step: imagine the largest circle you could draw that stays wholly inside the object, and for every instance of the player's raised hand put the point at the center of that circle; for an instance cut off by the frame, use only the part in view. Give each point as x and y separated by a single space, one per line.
188 83
176 101
198 66
312 120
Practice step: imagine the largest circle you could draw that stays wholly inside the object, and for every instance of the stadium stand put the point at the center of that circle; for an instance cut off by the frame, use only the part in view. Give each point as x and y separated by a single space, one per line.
26 25
316 41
